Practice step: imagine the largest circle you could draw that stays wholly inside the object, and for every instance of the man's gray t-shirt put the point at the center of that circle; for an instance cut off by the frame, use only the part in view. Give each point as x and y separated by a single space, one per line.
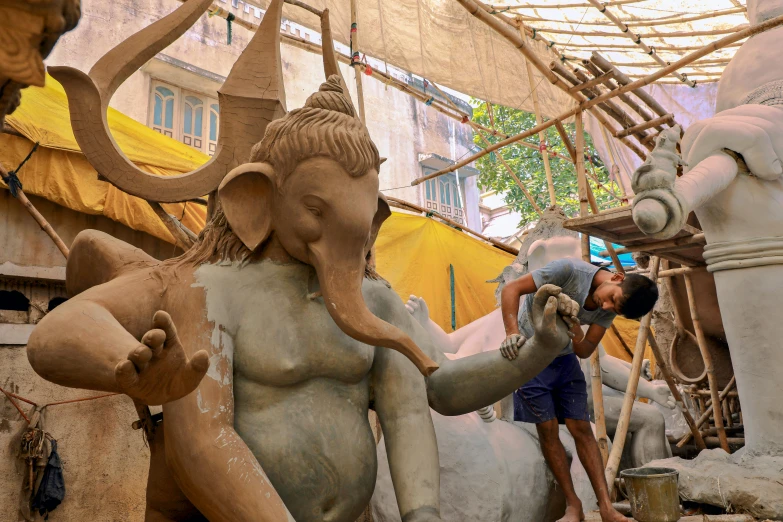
575 278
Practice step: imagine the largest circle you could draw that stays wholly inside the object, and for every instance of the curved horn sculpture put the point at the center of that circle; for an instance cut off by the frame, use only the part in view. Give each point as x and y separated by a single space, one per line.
251 97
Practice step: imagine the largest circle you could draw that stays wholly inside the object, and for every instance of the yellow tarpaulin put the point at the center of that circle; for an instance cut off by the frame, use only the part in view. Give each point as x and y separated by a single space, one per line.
414 253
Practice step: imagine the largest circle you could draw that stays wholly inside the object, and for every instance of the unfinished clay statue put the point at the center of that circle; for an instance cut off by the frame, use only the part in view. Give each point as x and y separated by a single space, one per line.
29 29
741 213
265 342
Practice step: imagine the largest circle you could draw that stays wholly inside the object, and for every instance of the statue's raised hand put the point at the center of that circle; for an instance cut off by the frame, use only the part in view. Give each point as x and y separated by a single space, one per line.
754 131
417 307
158 371
550 330
662 394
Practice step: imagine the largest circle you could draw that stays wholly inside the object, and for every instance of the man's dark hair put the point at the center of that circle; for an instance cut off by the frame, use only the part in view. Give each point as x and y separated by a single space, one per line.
639 296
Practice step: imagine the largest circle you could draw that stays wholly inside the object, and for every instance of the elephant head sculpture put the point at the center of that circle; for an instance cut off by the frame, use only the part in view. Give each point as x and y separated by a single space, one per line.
310 191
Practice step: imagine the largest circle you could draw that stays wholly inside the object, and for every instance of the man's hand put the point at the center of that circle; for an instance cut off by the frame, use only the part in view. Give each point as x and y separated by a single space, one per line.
417 307
754 131
568 309
662 394
511 345
158 371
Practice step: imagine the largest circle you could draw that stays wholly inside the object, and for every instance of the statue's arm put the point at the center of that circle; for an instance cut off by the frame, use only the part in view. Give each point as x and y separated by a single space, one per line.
400 400
209 460
467 384
80 343
616 372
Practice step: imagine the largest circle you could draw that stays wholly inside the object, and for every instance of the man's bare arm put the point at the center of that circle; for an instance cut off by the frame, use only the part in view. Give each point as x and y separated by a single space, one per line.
467 384
585 347
509 301
401 404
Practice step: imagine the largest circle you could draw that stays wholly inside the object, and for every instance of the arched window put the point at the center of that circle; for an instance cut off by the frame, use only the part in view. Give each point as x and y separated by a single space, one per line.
214 120
193 121
163 111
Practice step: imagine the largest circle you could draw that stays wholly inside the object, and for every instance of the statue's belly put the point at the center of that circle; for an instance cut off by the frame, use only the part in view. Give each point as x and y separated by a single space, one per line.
314 442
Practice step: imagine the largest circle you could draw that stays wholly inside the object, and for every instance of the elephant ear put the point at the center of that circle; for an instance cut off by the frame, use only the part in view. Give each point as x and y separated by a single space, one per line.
381 215
246 197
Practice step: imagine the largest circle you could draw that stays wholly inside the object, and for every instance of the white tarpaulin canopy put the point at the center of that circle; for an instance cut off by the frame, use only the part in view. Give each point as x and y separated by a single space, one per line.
439 40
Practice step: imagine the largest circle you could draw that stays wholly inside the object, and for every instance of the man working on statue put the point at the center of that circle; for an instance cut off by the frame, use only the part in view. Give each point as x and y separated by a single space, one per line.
559 394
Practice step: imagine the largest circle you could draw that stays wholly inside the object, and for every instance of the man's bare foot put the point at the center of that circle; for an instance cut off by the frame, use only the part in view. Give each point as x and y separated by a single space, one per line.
573 514
610 514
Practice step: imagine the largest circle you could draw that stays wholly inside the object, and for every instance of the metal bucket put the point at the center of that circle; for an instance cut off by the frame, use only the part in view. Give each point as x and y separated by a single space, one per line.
653 494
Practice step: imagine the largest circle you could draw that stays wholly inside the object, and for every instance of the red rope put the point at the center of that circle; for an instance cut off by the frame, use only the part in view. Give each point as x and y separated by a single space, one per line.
12 396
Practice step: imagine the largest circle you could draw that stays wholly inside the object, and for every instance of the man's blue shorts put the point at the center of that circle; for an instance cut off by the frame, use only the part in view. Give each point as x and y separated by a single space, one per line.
559 391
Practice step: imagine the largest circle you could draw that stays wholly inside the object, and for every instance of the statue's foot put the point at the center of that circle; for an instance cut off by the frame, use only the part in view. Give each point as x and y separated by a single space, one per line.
573 513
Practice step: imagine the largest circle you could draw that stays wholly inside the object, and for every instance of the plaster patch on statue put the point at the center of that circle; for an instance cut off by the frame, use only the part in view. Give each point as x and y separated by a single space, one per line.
221 363
200 403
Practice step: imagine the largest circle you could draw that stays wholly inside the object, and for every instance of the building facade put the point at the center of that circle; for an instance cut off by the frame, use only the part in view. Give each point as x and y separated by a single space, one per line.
175 93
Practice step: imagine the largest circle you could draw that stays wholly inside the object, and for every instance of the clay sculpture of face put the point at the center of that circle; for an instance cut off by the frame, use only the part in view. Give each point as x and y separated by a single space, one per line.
312 187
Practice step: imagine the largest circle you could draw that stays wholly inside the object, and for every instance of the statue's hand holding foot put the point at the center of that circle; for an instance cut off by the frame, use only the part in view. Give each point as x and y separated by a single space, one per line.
422 515
417 307
511 345
158 371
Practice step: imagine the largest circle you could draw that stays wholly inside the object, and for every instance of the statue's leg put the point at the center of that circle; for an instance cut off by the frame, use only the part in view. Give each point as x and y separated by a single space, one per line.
647 428
165 500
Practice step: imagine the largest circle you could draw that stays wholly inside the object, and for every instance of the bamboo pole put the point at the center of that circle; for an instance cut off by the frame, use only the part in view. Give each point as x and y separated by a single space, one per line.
356 63
550 182
306 7
560 6
638 41
630 392
566 140
706 414
633 49
646 125
595 364
657 22
589 84
631 34
695 239
183 237
632 86
667 376
705 354
45 226
400 203
515 178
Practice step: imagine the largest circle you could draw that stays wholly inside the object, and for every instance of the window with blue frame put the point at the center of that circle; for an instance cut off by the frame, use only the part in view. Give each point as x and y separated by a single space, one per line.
190 117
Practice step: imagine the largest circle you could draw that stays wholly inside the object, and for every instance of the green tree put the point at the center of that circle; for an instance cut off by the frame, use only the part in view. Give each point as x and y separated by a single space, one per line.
528 165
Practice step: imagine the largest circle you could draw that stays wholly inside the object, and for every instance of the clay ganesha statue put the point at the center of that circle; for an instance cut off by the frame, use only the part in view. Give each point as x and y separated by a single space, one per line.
265 343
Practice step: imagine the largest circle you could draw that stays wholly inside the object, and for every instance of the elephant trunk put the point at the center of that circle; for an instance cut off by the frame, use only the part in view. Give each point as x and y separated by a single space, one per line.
341 287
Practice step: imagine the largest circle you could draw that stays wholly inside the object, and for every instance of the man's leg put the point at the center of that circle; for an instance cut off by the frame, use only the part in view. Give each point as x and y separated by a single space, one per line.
557 460
590 457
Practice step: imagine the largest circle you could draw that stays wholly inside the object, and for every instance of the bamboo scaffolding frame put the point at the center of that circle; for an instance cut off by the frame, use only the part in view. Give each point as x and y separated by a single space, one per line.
638 40
515 178
701 63
646 22
591 83
717 412
696 239
667 376
606 66
609 108
45 226
400 203
668 119
611 192
633 49
630 392
306 7
707 412
560 6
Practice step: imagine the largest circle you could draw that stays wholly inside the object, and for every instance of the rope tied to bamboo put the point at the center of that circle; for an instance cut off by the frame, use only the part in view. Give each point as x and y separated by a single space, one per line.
13 181
12 396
